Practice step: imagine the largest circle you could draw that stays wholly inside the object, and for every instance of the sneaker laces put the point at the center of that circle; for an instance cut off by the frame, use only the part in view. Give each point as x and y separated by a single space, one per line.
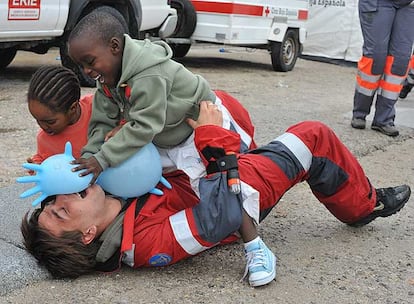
255 258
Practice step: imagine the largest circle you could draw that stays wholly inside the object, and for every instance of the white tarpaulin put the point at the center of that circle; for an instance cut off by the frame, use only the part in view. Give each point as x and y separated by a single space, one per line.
333 30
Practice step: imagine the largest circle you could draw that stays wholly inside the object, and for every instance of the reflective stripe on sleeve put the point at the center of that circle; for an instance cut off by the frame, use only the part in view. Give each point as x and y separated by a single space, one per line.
184 235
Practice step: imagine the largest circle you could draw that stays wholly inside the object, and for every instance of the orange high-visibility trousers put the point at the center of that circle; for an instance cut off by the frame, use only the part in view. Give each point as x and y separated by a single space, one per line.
388 32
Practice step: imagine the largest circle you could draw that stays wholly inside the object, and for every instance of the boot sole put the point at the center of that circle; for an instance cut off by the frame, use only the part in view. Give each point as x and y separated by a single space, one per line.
355 126
379 129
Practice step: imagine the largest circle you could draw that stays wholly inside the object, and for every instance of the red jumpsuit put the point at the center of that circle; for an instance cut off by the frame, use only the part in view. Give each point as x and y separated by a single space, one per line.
178 224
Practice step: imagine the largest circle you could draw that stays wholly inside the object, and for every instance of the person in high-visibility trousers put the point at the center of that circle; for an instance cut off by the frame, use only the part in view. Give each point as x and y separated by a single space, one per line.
409 81
388 32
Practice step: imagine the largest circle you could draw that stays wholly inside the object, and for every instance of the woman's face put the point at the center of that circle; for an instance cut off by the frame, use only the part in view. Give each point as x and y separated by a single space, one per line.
51 122
73 212
99 60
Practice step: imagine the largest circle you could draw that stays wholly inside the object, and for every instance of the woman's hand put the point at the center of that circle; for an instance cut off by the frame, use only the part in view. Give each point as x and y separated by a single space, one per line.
210 114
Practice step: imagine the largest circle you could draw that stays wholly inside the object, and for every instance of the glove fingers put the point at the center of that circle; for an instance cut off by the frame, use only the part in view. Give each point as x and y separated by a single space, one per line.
164 181
30 192
34 167
39 200
156 191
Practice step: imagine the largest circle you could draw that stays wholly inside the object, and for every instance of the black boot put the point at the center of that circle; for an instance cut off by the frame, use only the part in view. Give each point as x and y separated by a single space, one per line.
405 90
389 201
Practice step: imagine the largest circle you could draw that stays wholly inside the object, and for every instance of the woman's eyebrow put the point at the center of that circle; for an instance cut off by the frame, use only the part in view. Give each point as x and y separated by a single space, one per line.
48 201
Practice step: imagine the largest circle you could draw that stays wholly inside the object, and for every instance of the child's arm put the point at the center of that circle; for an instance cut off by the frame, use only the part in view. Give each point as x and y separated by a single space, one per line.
30 161
35 159
46 146
145 118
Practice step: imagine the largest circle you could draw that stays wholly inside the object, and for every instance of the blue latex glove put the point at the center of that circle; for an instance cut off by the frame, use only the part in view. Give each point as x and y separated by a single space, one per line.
134 177
54 176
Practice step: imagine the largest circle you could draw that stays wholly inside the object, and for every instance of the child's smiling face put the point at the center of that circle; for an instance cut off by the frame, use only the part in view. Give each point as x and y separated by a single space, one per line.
99 60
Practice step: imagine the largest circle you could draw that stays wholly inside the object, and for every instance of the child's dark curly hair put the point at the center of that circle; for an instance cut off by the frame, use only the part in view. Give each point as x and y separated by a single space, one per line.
56 87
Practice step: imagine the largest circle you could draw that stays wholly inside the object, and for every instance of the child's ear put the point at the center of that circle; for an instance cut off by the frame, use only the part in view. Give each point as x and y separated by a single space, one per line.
89 234
116 45
73 108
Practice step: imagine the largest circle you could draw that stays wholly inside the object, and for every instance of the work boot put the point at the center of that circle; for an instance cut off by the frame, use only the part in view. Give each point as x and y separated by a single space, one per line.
358 123
405 90
389 130
261 263
389 201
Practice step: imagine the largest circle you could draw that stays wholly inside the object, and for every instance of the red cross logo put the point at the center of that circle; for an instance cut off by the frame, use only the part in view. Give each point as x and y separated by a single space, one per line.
267 11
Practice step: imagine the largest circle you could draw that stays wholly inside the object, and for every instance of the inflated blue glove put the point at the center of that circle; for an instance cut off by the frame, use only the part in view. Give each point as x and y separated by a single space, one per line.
134 177
54 176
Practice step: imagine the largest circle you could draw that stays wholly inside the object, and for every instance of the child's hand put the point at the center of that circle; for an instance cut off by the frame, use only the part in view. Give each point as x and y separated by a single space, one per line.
90 165
112 132
210 114
30 161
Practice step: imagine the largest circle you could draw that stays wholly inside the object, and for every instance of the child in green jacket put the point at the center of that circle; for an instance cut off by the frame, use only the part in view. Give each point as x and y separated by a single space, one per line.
142 93
139 88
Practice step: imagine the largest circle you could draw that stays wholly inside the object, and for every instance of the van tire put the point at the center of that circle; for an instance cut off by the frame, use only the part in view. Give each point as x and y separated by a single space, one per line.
284 54
187 18
6 57
186 24
180 50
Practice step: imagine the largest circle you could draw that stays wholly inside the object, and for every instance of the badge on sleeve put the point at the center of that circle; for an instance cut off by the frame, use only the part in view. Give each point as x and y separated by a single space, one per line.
160 259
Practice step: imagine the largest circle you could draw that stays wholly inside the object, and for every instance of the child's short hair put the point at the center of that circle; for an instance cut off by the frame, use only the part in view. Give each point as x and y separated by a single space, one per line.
56 87
104 22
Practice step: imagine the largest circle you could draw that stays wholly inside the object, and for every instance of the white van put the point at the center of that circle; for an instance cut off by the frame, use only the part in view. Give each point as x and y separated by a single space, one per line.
38 25
276 25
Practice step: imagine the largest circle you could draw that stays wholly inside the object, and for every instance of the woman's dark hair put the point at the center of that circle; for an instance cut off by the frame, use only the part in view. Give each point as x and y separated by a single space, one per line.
65 256
56 87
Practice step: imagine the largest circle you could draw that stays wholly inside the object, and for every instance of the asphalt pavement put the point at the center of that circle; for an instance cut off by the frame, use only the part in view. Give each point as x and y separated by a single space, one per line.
320 260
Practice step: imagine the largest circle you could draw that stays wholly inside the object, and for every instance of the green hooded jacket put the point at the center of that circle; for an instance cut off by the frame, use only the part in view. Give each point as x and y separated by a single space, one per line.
161 94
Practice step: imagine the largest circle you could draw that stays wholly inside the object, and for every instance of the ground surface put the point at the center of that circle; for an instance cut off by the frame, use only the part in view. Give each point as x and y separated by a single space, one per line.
320 260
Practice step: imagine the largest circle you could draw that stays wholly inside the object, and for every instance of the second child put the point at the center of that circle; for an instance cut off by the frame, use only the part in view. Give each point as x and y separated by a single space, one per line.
55 102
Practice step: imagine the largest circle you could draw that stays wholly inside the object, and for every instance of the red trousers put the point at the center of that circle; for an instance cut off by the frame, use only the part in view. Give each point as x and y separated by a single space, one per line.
178 224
